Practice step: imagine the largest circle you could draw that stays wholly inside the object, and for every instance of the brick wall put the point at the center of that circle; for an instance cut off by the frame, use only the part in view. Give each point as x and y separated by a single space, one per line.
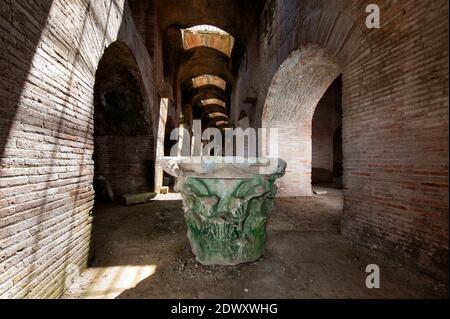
127 162
50 50
395 114
395 136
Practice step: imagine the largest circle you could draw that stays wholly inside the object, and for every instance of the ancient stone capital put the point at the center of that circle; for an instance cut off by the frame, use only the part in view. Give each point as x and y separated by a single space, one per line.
226 216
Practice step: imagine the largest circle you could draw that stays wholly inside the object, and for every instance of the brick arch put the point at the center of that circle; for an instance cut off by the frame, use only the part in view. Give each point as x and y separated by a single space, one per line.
309 59
118 66
296 89
204 60
208 93
219 40
335 28
123 134
298 85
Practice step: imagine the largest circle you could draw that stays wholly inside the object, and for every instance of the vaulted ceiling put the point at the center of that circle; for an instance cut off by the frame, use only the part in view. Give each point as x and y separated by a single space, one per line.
204 41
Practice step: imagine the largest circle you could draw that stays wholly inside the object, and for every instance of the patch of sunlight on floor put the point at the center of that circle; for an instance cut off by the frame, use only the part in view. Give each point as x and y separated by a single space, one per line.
108 282
170 196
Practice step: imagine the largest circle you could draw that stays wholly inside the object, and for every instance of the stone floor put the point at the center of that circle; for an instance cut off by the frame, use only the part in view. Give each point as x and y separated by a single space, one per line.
142 252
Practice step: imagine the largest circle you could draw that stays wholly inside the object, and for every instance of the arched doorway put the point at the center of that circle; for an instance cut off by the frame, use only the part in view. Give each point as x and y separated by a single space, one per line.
168 180
293 95
327 139
123 137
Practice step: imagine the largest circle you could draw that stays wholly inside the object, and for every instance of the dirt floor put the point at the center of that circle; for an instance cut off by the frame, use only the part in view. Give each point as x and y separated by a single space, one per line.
142 251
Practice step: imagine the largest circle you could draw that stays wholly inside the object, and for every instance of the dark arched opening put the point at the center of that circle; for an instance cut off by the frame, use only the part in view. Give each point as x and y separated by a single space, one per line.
168 180
123 138
327 138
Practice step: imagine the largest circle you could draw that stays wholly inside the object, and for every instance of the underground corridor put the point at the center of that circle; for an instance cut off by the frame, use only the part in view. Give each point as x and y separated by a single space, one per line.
260 149
142 252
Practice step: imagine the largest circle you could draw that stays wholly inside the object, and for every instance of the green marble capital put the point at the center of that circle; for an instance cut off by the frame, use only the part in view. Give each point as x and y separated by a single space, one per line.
226 217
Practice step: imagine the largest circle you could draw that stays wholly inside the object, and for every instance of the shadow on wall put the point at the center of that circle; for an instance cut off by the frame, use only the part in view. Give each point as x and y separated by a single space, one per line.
54 224
47 221
18 58
73 213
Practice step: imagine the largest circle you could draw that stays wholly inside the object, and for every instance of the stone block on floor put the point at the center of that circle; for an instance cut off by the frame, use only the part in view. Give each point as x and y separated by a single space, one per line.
140 198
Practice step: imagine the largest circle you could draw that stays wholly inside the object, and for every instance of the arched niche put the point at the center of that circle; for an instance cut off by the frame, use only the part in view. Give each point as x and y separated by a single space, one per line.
123 136
295 90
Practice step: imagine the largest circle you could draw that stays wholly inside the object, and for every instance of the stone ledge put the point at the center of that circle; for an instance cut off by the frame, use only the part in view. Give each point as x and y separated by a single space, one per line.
133 199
